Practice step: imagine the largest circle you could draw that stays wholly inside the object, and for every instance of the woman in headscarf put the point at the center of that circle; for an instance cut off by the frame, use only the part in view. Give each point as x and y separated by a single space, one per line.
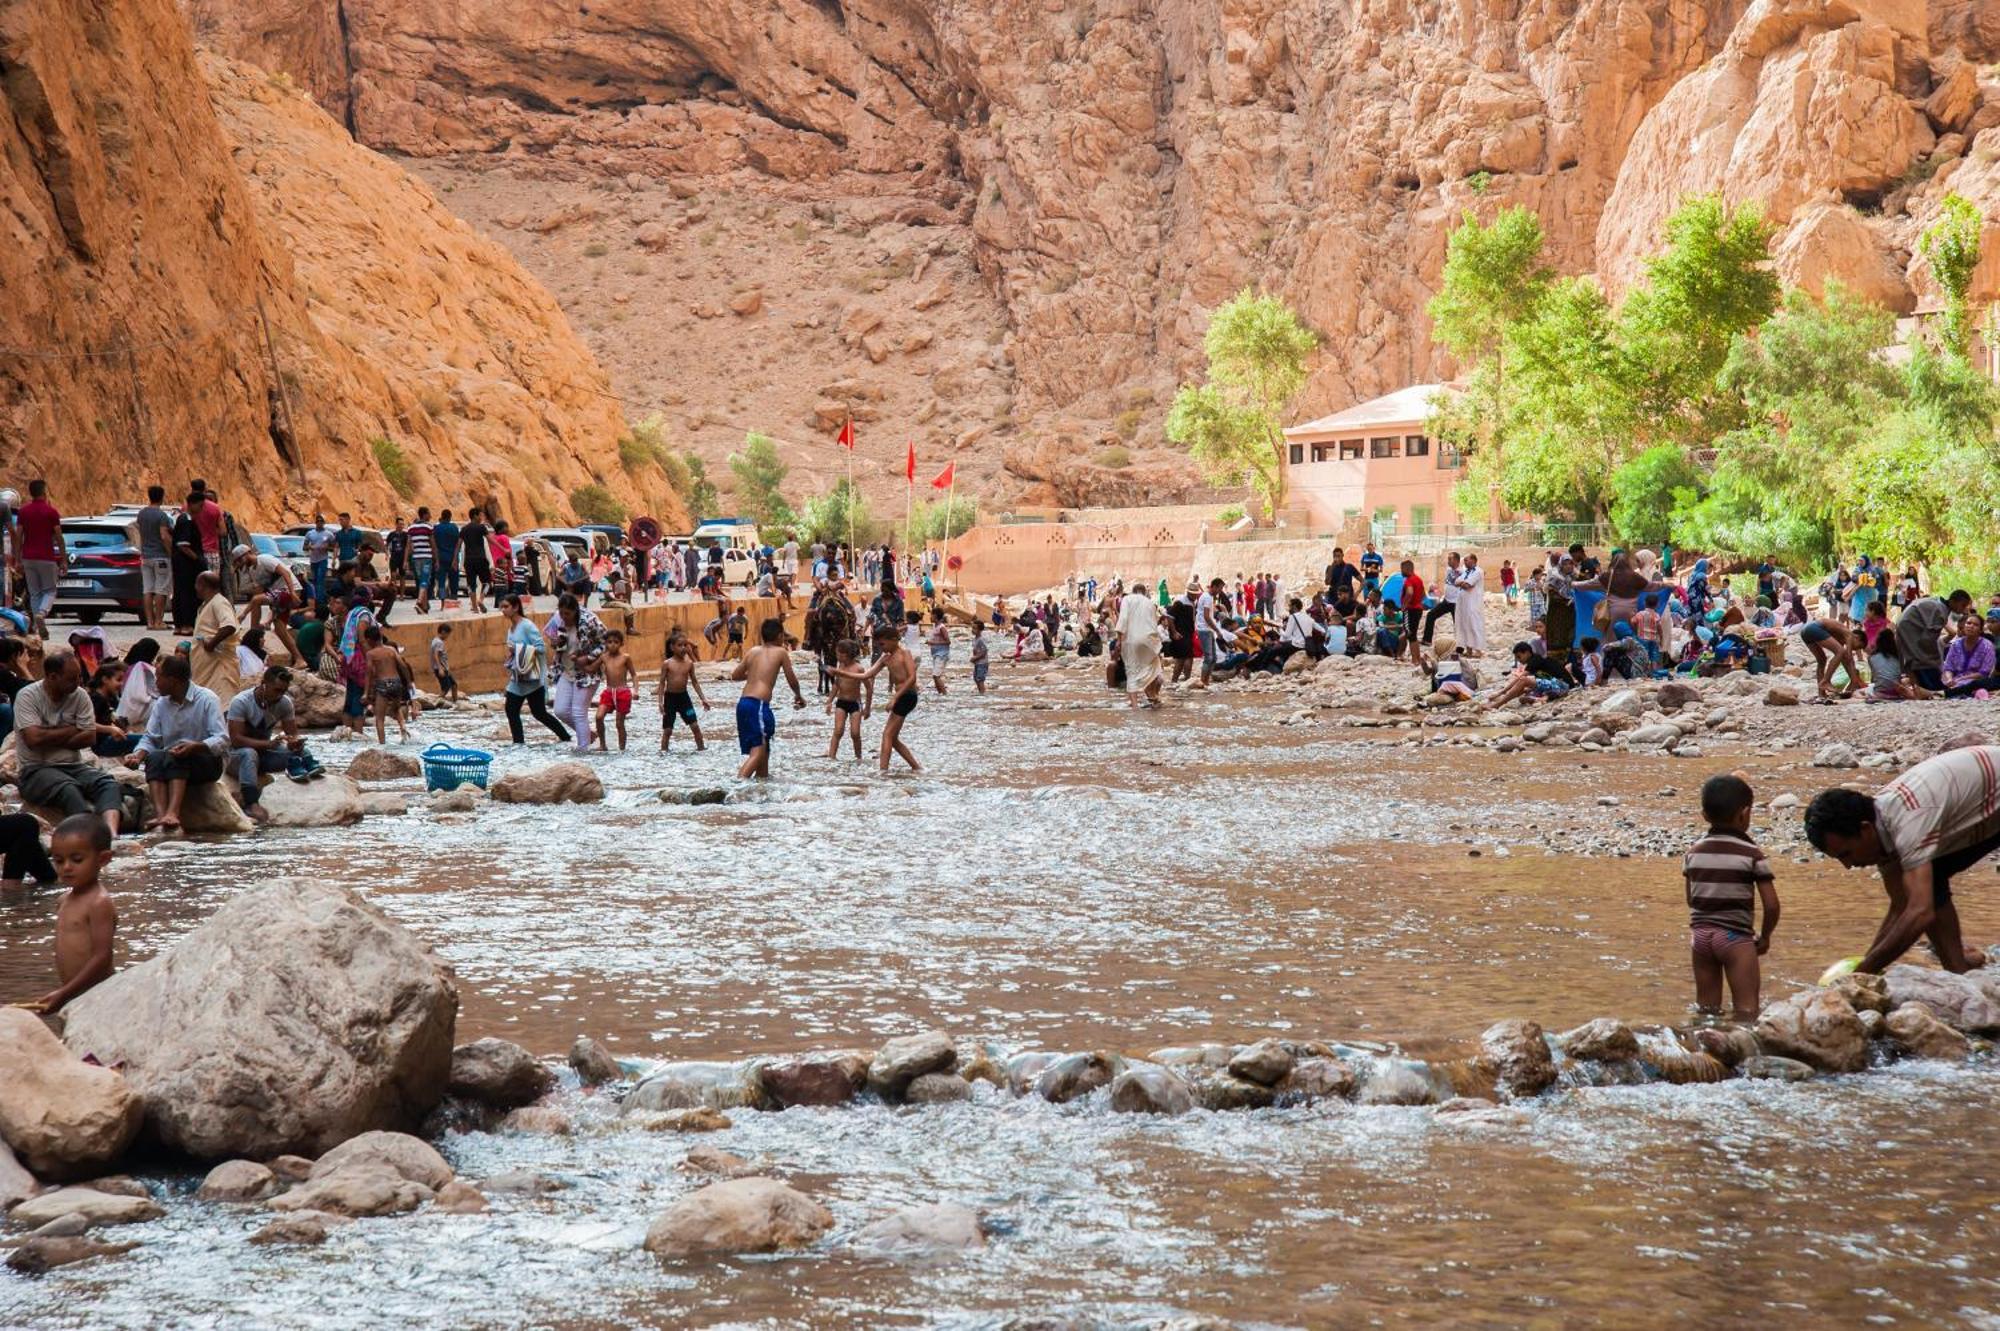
1560 624
1139 636
1697 589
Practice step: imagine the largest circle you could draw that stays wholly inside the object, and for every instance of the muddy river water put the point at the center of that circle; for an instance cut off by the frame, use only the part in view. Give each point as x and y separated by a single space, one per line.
1066 875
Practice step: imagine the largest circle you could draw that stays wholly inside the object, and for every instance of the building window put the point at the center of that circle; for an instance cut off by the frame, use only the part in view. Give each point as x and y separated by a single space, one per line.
1420 519
1350 450
1319 452
1449 458
1415 446
1299 454
1385 519
1385 448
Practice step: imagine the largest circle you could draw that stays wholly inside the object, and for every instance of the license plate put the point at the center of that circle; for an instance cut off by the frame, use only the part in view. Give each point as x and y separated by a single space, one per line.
77 585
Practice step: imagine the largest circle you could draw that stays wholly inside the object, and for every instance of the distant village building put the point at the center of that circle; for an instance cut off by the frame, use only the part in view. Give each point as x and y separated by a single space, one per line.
1375 461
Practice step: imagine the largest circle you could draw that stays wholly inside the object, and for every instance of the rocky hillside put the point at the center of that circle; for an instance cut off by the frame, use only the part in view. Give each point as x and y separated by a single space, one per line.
153 206
1111 169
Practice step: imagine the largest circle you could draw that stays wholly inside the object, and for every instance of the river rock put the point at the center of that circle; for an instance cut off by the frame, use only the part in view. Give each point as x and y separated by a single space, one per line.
1219 1092
1957 1000
384 765
1519 1054
63 1117
380 803
1193 1055
1603 1038
1623 702
1772 1067
739 1215
1781 695
305 1229
978 1063
1919 1034
39 1253
708 1159
686 1120
123 1185
1265 1062
210 809
1836 755
361 1189
696 1086
1676 694
1863 992
1873 1025
937 1088
815 1079
238 1181
1076 1075
398 1153
333 801
293 1018
1150 1090
1597 735
548 1120
1728 1045
593 1064
1653 736
561 783
459 1198
1784 801
16 1183
498 1073
939 1227
462 800
99 1208
1025 1069
1396 1082
1314 1079
1816 1027
317 702
291 1168
901 1061
522 1182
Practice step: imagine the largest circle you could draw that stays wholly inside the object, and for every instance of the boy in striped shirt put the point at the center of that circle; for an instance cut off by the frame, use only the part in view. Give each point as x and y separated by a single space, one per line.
1727 875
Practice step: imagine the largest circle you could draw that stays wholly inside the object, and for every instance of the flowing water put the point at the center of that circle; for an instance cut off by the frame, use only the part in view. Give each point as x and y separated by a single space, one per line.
1067 875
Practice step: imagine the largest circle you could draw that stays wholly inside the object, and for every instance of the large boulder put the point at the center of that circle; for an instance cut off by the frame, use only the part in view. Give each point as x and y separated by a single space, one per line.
1076 1075
498 1073
63 1117
1602 1038
317 702
1818 1028
1959 1001
16 1183
593 1064
740 1215
902 1061
295 1017
359 1190
1519 1055
397 1153
383 765
1266 1062
563 783
210 809
331 801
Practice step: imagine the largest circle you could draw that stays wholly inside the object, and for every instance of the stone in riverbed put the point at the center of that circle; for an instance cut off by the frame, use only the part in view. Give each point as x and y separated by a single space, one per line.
1150 1090
1959 1001
1076 1075
937 1088
459 1198
238 1181
1920 1035
62 1117
1873 1024
1602 1038
1817 1028
1728 1045
1265 1062
65 1226
901 1061
706 1159
696 1086
306 1228
740 1215
396 1152
1781 695
1314 1079
1771 1067
293 1018
593 1063
1519 1054
291 1168
916 1230
686 1120
1676 694
1653 737
1193 1055
332 802
498 1073
1836 755
815 1079
16 1183
40 1252
524 1182
358 1190
1863 992
383 765
562 783
209 809
99 1208
1397 1082
549 1120
1219 1092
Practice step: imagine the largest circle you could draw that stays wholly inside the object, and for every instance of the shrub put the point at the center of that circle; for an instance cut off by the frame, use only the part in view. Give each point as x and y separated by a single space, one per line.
1127 423
1230 516
1117 457
395 465
596 249
594 503
645 444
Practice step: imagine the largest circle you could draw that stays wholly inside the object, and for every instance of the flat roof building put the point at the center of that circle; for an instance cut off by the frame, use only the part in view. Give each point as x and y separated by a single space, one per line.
1376 460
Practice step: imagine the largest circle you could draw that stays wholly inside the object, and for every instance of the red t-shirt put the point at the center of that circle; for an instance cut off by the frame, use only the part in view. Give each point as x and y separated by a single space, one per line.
208 521
39 524
1413 593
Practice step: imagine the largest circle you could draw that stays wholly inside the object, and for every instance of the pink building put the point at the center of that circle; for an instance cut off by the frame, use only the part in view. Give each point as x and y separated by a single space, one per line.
1375 461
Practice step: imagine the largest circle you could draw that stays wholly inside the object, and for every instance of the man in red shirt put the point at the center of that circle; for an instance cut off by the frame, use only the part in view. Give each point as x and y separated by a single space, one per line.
1412 605
43 553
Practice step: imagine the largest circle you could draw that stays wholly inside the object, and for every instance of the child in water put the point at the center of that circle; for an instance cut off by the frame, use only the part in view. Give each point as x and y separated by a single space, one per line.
677 682
616 700
86 921
1726 875
848 705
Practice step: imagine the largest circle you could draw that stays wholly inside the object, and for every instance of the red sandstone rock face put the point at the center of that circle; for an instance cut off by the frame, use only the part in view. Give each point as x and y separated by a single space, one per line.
136 218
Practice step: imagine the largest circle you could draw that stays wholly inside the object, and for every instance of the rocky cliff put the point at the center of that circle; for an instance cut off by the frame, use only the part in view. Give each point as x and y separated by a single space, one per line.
1110 169
162 215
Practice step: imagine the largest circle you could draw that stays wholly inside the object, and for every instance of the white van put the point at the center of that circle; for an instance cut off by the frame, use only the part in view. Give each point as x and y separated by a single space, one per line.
739 544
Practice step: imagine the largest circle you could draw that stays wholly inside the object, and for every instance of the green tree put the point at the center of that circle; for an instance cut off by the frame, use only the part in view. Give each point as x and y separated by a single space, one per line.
595 503
1644 493
1951 246
760 479
1494 280
1233 424
942 519
1573 421
699 493
826 518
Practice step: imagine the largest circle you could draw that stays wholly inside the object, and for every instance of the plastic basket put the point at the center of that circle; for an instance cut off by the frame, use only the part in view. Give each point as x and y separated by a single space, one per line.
446 768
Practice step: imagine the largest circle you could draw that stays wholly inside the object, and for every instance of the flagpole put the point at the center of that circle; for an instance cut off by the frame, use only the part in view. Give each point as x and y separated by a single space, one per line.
853 556
909 513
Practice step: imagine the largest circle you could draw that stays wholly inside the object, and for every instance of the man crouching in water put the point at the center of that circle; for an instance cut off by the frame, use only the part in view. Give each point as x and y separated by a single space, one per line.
756 725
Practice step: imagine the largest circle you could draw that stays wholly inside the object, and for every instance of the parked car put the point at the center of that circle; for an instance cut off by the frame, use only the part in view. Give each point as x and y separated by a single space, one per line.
611 530
292 549
103 573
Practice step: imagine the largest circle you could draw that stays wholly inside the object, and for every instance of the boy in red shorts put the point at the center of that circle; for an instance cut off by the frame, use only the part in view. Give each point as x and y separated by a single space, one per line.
617 696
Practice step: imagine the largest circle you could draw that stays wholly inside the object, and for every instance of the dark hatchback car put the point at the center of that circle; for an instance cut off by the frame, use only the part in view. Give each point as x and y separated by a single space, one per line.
103 572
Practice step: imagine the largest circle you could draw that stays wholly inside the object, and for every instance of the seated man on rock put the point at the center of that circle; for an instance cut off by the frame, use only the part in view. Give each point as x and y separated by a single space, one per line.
55 725
264 737
184 743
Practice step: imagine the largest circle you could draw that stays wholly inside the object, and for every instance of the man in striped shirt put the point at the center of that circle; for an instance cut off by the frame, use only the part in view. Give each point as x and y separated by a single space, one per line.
1726 875
1927 826
421 552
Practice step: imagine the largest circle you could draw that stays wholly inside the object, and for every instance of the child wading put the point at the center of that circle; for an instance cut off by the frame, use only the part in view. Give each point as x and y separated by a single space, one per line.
441 664
980 662
388 684
939 641
617 696
847 704
677 681
86 921
756 724
902 668
1726 875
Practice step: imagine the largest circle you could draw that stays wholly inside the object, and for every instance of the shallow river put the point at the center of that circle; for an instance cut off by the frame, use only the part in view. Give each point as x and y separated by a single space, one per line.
1066 875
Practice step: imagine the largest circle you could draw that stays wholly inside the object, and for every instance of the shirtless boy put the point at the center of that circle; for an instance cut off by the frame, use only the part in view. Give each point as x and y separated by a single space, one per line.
902 668
86 921
847 704
756 726
616 663
388 684
677 681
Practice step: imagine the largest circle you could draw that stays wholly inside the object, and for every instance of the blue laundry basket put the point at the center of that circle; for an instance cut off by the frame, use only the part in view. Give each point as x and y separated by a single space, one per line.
446 768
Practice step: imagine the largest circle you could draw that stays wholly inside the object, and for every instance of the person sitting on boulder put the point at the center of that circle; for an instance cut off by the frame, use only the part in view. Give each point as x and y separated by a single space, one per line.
1919 832
184 744
264 737
86 921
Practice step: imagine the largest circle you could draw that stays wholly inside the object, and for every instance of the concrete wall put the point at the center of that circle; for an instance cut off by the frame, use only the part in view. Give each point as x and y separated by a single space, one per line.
478 642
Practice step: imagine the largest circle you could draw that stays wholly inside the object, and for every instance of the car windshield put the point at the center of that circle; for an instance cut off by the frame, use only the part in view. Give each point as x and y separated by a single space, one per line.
266 545
290 545
101 537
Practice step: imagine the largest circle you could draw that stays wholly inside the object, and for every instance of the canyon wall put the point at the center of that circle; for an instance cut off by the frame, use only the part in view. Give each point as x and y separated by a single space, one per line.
162 213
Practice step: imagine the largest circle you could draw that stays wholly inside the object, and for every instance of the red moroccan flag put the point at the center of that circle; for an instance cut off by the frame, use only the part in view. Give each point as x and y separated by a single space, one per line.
910 467
846 436
943 481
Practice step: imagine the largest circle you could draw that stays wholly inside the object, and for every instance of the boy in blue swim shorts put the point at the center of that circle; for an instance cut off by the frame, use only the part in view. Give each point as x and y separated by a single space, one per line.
756 724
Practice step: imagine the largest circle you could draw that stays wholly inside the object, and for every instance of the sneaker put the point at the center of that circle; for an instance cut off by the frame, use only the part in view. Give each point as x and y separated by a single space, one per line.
1981 694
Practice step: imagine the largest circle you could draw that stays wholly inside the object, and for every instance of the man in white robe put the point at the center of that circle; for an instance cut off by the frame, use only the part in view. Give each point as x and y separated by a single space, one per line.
1139 646
1469 620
